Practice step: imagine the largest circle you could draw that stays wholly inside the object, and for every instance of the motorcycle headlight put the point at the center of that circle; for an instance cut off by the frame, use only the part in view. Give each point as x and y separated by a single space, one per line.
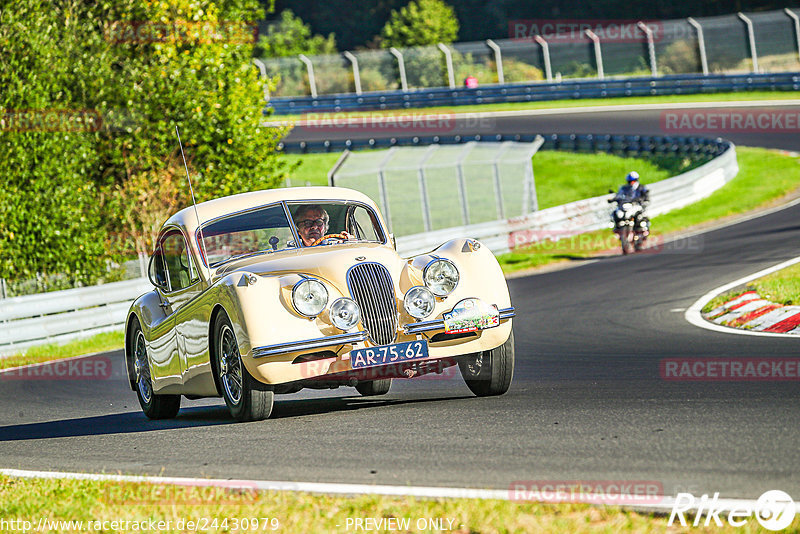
419 302
441 277
345 313
626 206
309 297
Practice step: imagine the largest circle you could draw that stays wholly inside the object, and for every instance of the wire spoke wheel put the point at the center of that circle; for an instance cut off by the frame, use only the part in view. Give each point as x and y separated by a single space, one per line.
230 365
142 368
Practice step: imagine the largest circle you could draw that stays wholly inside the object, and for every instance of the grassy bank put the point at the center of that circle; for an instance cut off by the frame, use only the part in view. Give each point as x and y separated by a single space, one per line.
782 287
91 501
44 353
765 176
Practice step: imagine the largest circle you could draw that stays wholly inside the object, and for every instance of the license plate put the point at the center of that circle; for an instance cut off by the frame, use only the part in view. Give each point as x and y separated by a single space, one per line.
386 354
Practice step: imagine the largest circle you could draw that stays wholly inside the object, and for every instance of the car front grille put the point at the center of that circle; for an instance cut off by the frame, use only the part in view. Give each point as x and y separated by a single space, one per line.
372 288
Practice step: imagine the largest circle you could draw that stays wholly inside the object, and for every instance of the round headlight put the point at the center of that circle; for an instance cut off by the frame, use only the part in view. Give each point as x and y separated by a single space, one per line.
309 297
419 302
441 276
345 313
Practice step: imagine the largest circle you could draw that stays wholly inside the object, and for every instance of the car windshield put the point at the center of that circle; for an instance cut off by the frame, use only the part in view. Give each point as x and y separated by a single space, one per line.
349 220
259 230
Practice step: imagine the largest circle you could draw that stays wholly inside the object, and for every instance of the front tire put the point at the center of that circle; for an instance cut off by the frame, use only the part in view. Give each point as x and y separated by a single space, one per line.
625 239
374 387
154 406
246 398
489 373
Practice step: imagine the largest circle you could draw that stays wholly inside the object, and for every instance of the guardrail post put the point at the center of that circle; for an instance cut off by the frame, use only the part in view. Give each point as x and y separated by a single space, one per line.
401 67
701 44
263 70
462 183
423 189
598 54
792 15
498 191
312 82
498 59
448 58
356 75
751 37
382 187
651 47
546 53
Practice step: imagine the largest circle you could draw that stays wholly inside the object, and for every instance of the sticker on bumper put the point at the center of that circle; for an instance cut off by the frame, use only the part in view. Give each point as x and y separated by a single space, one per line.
471 315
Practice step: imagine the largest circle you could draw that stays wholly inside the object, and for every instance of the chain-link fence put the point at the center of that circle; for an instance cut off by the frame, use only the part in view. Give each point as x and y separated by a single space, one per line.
423 189
760 42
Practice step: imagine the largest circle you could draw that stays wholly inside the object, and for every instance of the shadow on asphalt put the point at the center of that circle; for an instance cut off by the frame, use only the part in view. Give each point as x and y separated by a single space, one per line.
192 417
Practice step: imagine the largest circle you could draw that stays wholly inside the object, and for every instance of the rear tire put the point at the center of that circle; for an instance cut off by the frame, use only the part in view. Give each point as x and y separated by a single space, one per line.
246 398
154 406
374 387
489 372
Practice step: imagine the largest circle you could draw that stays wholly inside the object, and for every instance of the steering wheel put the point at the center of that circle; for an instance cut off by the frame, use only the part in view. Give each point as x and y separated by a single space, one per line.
342 236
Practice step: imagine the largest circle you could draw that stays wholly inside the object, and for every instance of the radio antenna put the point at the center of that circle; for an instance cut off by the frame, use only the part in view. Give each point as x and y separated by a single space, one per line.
194 202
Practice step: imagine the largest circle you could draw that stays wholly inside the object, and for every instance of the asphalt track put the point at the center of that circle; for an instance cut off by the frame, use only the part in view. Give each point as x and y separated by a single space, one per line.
587 402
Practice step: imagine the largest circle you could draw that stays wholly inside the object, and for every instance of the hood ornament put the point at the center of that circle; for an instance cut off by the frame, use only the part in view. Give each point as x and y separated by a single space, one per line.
361 258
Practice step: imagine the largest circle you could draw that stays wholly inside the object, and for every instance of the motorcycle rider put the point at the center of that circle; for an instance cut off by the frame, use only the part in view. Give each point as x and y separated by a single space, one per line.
635 191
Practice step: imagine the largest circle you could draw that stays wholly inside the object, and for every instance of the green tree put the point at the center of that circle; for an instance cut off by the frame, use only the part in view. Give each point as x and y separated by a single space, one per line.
420 23
290 36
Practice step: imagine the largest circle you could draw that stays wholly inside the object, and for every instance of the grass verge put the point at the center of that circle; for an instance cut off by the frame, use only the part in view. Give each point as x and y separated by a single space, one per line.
98 343
91 502
765 176
576 103
782 287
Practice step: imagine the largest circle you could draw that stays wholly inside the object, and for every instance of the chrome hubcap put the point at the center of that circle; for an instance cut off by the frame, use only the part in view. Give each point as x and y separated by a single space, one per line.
474 367
230 365
141 369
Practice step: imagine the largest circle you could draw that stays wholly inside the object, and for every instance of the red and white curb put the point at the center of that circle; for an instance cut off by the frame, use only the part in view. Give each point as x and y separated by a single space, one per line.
748 313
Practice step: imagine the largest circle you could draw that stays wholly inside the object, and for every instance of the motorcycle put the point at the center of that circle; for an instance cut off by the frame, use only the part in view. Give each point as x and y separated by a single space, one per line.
629 222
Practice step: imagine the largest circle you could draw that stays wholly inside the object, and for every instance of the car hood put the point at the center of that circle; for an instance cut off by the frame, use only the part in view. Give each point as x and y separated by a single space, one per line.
328 262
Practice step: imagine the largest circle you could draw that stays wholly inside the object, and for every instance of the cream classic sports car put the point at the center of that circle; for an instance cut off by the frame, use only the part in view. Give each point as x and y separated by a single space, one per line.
279 290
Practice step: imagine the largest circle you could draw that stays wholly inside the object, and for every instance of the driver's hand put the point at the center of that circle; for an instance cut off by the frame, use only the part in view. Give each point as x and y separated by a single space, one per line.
349 236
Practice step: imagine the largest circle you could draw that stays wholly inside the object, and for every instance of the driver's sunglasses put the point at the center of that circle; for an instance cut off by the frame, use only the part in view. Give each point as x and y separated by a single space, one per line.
308 223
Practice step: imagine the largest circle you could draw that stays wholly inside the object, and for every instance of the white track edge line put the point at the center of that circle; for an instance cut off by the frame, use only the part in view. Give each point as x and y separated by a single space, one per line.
552 111
694 316
664 503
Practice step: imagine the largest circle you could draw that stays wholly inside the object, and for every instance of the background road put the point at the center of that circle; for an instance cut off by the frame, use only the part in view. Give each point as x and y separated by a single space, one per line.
587 401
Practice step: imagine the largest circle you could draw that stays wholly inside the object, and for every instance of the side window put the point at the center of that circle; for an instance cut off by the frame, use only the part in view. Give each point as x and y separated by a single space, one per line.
176 259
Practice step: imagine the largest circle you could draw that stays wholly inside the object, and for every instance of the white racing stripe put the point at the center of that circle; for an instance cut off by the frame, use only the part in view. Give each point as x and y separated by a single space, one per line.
657 503
694 316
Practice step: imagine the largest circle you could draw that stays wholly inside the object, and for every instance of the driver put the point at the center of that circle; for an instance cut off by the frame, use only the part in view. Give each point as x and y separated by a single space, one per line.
312 223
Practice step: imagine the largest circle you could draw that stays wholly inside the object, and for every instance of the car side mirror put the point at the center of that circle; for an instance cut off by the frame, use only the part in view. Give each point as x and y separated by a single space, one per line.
156 277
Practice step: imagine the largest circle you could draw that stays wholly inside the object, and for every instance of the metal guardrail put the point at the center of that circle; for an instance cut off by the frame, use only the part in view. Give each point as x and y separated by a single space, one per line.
539 91
60 316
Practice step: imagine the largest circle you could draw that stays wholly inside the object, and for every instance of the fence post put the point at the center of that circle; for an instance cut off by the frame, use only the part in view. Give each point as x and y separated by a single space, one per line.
423 189
751 37
382 187
448 58
462 183
263 69
498 190
792 15
498 59
3 290
651 47
401 66
701 44
312 82
598 54
356 75
546 53
336 167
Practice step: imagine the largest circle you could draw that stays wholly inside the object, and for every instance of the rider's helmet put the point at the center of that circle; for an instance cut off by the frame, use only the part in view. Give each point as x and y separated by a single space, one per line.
633 176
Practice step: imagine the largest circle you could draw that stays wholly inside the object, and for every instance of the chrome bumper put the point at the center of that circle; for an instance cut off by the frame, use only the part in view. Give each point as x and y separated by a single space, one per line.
308 344
426 326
